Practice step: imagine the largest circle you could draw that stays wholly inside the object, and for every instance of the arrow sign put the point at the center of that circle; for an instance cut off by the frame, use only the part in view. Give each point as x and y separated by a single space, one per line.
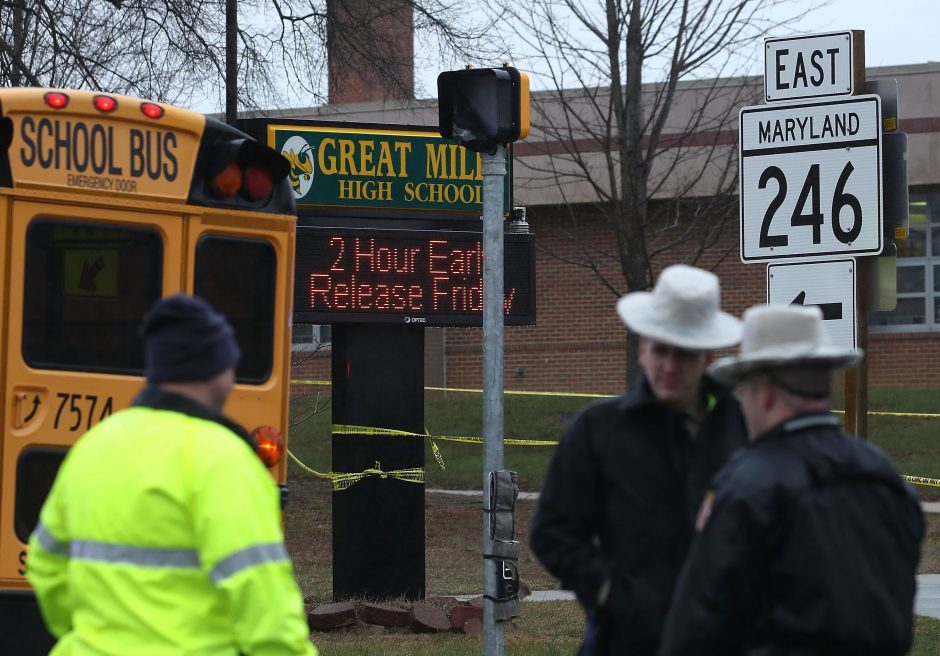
32 413
829 281
830 311
89 273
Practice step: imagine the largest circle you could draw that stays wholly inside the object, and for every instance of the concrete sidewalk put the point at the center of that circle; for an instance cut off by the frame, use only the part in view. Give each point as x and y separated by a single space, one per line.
927 506
926 603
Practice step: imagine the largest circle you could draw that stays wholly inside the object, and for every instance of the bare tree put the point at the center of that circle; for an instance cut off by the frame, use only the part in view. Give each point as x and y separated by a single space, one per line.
635 123
174 50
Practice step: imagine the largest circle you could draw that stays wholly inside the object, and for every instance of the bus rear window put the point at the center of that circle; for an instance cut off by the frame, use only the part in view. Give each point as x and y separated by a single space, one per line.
36 470
237 277
87 288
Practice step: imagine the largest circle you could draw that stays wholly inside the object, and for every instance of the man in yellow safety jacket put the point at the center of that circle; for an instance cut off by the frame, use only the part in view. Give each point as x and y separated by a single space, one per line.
161 534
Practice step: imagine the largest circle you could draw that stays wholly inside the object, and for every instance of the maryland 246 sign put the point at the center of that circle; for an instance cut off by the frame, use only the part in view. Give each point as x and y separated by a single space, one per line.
810 179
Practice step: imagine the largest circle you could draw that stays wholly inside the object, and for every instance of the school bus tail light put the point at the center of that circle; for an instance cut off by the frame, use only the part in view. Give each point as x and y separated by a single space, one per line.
56 100
257 182
253 180
233 170
270 444
105 103
151 110
227 182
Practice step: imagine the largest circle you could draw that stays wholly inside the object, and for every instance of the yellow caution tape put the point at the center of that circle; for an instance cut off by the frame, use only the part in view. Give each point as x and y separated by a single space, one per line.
437 453
523 392
479 391
327 475
416 474
343 481
345 429
921 415
871 413
920 480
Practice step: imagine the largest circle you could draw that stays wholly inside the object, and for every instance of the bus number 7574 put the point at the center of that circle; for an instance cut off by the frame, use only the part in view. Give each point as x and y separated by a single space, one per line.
80 407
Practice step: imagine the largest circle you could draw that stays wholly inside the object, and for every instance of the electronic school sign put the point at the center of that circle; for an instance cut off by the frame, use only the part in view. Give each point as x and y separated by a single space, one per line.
810 179
375 170
424 277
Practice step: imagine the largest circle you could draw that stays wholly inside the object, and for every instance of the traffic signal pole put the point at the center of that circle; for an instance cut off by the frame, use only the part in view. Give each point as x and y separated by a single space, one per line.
482 110
494 170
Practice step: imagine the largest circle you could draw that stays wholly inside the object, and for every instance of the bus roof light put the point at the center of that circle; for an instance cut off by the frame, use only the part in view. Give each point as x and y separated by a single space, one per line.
56 100
151 110
227 182
105 103
270 444
257 183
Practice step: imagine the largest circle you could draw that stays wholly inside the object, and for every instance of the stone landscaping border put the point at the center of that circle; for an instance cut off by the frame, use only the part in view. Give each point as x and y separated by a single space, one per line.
433 615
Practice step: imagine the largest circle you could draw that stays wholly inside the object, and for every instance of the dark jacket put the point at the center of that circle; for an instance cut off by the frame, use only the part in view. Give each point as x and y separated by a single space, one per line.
810 548
619 503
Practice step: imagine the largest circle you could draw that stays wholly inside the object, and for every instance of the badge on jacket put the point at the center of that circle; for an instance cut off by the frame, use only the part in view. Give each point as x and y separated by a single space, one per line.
705 510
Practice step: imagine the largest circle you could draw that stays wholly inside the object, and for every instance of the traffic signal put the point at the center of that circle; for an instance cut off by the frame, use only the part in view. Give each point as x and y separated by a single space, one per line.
482 108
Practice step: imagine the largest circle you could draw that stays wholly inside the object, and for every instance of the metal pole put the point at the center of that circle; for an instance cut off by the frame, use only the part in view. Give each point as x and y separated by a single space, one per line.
863 293
231 61
494 170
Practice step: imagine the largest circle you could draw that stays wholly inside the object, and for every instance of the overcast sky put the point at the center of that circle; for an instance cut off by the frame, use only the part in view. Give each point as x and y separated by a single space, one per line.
896 31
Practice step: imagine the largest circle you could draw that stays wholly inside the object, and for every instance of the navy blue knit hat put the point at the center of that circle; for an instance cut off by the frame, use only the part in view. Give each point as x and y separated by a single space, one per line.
186 340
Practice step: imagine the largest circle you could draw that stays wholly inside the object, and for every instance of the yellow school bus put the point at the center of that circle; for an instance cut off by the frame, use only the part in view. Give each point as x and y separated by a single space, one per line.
108 203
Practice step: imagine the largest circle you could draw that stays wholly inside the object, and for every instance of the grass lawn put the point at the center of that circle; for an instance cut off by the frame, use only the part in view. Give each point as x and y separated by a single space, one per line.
456 414
545 629
454 524
913 443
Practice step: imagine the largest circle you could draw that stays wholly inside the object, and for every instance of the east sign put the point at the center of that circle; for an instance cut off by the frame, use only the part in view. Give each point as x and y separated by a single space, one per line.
810 66
810 179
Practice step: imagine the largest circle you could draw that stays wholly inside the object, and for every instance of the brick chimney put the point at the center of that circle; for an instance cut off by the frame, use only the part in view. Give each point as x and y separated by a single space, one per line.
370 47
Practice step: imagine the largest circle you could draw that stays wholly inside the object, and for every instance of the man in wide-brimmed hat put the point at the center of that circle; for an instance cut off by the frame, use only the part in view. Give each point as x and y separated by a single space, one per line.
809 541
616 514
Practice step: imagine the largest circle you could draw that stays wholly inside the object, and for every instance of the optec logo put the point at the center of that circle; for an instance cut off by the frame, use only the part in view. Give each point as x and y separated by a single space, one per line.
416 320
300 155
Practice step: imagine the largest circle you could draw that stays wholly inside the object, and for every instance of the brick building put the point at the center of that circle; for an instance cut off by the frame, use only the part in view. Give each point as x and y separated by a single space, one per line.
578 343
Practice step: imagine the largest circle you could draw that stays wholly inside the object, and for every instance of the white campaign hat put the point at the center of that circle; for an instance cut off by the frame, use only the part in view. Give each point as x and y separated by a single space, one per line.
682 311
782 335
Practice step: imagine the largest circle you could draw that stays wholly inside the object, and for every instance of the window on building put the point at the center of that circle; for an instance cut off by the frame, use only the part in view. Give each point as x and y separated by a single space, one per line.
307 337
918 270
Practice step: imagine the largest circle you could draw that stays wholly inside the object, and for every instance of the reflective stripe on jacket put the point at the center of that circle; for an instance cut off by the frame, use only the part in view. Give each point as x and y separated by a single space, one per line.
162 535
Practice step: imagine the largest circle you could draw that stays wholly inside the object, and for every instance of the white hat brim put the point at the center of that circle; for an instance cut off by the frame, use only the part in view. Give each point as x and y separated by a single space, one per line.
721 331
732 370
